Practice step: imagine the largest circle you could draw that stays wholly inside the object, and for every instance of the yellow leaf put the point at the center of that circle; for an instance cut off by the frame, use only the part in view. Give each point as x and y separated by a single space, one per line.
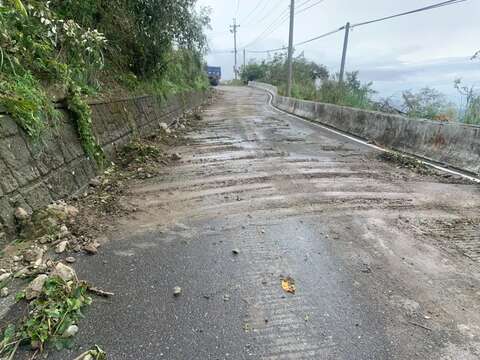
288 284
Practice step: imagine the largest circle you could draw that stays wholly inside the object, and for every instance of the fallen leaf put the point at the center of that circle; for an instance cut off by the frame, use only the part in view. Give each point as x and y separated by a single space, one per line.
288 285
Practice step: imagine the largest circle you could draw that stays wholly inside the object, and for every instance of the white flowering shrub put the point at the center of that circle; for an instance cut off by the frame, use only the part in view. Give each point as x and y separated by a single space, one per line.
60 47
42 42
37 48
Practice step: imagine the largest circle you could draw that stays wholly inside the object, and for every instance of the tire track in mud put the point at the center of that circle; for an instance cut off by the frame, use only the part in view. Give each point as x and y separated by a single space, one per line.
256 180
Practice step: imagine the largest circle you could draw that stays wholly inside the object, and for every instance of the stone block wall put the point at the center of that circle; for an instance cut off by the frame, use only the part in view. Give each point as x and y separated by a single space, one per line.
33 174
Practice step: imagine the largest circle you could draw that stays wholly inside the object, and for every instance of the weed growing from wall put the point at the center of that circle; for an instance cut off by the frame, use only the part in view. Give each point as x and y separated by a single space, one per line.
83 117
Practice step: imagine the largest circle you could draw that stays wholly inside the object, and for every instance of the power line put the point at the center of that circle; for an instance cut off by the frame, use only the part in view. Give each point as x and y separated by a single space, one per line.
266 51
238 8
300 43
276 6
309 7
260 2
303 3
431 7
282 18
221 52
320 36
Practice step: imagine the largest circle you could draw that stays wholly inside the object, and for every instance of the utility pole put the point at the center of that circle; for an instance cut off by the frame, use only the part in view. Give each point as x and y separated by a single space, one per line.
344 54
244 58
290 49
233 30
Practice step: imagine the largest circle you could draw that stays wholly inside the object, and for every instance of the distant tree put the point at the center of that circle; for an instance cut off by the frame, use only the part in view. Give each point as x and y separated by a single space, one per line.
426 103
253 72
352 92
470 109
311 81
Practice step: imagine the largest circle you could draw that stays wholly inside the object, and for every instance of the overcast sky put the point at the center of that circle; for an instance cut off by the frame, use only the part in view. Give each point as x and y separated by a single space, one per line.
425 49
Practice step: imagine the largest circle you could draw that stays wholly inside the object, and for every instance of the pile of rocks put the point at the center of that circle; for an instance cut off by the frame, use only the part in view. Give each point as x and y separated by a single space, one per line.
45 237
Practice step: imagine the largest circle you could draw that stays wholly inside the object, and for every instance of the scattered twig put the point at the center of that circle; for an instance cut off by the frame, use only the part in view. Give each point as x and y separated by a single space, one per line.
14 350
95 353
99 292
82 355
420 325
34 355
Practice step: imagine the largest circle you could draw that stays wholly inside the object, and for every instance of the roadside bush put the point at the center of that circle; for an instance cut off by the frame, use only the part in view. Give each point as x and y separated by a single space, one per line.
349 93
39 51
307 74
427 103
66 49
311 81
470 107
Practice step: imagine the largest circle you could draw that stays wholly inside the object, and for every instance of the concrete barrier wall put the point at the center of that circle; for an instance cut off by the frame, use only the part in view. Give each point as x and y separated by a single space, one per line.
453 144
33 174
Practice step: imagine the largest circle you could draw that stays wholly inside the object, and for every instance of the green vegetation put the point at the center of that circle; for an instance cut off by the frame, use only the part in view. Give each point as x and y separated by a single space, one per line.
427 103
58 307
66 50
313 82
470 109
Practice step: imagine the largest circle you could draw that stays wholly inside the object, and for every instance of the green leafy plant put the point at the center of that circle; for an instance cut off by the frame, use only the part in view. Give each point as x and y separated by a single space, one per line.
58 307
48 48
28 103
38 50
427 103
18 4
83 117
470 108
312 81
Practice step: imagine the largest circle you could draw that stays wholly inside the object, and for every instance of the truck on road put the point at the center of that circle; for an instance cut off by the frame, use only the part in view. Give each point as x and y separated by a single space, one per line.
214 74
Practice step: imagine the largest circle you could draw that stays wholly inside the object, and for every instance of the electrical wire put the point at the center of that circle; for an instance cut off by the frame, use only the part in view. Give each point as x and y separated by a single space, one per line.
238 8
260 2
430 7
320 36
272 28
272 10
302 3
283 16
300 43
221 52
308 7
265 51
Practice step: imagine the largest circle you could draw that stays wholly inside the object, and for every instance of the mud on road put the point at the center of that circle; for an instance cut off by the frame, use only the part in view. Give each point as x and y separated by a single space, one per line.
385 260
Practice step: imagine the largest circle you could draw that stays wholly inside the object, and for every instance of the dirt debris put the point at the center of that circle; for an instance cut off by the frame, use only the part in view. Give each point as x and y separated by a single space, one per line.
72 226
406 162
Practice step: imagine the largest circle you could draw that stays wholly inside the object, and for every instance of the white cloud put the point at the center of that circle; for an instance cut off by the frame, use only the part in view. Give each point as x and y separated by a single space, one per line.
430 48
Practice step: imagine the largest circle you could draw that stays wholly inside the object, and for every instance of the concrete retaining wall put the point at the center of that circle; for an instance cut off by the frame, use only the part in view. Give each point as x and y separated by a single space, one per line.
451 144
33 174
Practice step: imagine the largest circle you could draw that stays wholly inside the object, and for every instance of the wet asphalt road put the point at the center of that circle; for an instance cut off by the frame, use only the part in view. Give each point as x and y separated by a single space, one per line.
296 201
